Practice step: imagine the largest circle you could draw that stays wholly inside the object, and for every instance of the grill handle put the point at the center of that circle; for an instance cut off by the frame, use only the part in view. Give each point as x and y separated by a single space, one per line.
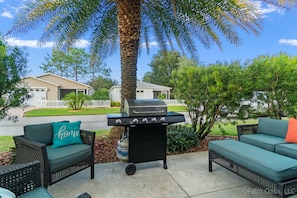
144 112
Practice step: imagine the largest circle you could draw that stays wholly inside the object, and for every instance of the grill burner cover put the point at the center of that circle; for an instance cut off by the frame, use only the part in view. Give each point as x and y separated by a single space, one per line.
145 107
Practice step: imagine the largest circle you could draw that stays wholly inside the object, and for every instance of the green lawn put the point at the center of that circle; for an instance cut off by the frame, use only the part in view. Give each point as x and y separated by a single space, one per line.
89 111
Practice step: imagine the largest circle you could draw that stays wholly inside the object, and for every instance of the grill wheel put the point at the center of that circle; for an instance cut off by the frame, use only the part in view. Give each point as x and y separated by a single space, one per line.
130 169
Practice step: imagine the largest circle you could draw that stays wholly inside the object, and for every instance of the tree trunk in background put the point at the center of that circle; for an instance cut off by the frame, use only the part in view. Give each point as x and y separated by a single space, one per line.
129 23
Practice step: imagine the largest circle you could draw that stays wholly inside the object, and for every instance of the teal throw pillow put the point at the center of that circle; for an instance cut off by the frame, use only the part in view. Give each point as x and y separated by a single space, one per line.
66 134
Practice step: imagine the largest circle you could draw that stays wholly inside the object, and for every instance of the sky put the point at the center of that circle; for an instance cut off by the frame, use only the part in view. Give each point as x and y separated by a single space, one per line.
279 34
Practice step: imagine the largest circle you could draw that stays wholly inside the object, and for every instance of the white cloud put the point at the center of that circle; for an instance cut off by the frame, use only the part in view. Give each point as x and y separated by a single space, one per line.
82 43
6 14
288 41
28 43
1 1
150 44
34 43
265 8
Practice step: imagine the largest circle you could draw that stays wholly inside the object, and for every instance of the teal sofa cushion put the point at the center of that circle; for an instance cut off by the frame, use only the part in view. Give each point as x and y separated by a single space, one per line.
267 142
62 157
289 149
37 193
66 133
273 127
260 161
42 133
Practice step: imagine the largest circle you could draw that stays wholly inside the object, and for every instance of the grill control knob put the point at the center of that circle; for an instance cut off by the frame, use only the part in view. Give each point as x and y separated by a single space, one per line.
145 120
154 120
135 120
162 119
118 121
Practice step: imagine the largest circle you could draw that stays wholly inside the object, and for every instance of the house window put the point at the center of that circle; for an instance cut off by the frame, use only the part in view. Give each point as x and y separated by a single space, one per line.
80 91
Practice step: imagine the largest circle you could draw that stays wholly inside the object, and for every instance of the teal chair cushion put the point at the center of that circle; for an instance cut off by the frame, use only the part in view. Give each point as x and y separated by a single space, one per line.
260 161
267 142
288 149
66 133
42 133
62 157
37 193
273 127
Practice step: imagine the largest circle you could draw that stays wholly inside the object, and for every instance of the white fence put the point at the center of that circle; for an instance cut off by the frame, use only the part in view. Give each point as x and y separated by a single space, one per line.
63 104
91 103
174 102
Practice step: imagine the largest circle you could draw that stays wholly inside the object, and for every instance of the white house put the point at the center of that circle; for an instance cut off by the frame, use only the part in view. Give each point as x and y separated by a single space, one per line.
144 90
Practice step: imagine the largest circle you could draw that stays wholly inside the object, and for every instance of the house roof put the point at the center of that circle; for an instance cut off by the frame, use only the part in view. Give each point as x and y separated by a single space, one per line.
51 74
145 85
45 81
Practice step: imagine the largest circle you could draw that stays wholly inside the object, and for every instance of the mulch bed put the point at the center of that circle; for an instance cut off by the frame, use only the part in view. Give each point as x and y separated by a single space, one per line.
105 149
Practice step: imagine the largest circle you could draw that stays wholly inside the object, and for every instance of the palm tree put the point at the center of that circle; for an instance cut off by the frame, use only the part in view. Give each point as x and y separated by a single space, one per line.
131 22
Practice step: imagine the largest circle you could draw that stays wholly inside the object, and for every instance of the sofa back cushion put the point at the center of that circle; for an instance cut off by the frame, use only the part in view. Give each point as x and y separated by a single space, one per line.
42 133
273 127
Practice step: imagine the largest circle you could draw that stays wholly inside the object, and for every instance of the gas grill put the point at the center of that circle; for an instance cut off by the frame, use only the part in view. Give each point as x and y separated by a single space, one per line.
145 123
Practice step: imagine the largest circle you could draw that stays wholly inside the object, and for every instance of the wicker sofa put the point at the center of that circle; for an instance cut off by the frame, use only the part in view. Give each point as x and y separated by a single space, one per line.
263 155
56 163
24 180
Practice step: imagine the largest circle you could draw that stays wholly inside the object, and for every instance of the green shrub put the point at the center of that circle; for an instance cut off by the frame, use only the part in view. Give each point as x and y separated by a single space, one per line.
181 138
115 104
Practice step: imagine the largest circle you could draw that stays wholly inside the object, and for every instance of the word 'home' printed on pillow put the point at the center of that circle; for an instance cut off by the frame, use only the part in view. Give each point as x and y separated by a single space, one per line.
63 133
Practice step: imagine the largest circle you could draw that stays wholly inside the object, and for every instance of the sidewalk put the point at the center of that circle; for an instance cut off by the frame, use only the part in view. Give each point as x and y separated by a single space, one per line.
187 176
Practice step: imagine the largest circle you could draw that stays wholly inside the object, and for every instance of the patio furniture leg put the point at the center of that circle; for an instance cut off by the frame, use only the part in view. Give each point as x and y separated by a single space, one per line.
209 162
92 171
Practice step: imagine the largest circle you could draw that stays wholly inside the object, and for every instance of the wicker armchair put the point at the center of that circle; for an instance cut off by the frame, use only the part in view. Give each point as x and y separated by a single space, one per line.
246 129
28 150
23 180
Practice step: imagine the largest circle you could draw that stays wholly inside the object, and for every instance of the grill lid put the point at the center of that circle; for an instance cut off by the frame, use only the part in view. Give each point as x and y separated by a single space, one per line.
145 107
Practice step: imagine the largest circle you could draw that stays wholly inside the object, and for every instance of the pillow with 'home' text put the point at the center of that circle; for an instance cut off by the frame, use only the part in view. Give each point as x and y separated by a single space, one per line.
292 131
66 134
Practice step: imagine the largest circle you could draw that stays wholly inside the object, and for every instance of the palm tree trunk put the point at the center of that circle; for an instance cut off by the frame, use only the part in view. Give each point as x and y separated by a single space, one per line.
129 23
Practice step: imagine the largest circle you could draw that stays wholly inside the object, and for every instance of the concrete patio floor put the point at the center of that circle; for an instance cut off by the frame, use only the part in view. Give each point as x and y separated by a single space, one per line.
187 176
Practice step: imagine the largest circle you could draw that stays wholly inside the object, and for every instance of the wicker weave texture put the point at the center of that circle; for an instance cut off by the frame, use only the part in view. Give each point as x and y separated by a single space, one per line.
21 178
27 151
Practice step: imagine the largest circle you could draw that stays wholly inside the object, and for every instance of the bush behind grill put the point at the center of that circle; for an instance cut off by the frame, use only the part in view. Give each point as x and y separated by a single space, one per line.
181 138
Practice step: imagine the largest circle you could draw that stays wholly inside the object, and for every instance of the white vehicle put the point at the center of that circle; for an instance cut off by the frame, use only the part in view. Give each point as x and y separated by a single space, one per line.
256 105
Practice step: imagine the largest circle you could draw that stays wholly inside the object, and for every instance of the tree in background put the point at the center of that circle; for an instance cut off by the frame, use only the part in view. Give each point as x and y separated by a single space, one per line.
72 64
101 85
276 75
162 65
133 22
206 91
68 64
77 61
13 65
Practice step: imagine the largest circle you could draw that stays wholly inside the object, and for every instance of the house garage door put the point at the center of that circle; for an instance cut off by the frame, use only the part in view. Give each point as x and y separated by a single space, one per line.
36 94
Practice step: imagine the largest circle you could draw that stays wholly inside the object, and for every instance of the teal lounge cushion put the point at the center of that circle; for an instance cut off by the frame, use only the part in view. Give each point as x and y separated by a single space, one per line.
66 133
37 193
267 142
42 133
289 149
62 157
273 127
262 162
